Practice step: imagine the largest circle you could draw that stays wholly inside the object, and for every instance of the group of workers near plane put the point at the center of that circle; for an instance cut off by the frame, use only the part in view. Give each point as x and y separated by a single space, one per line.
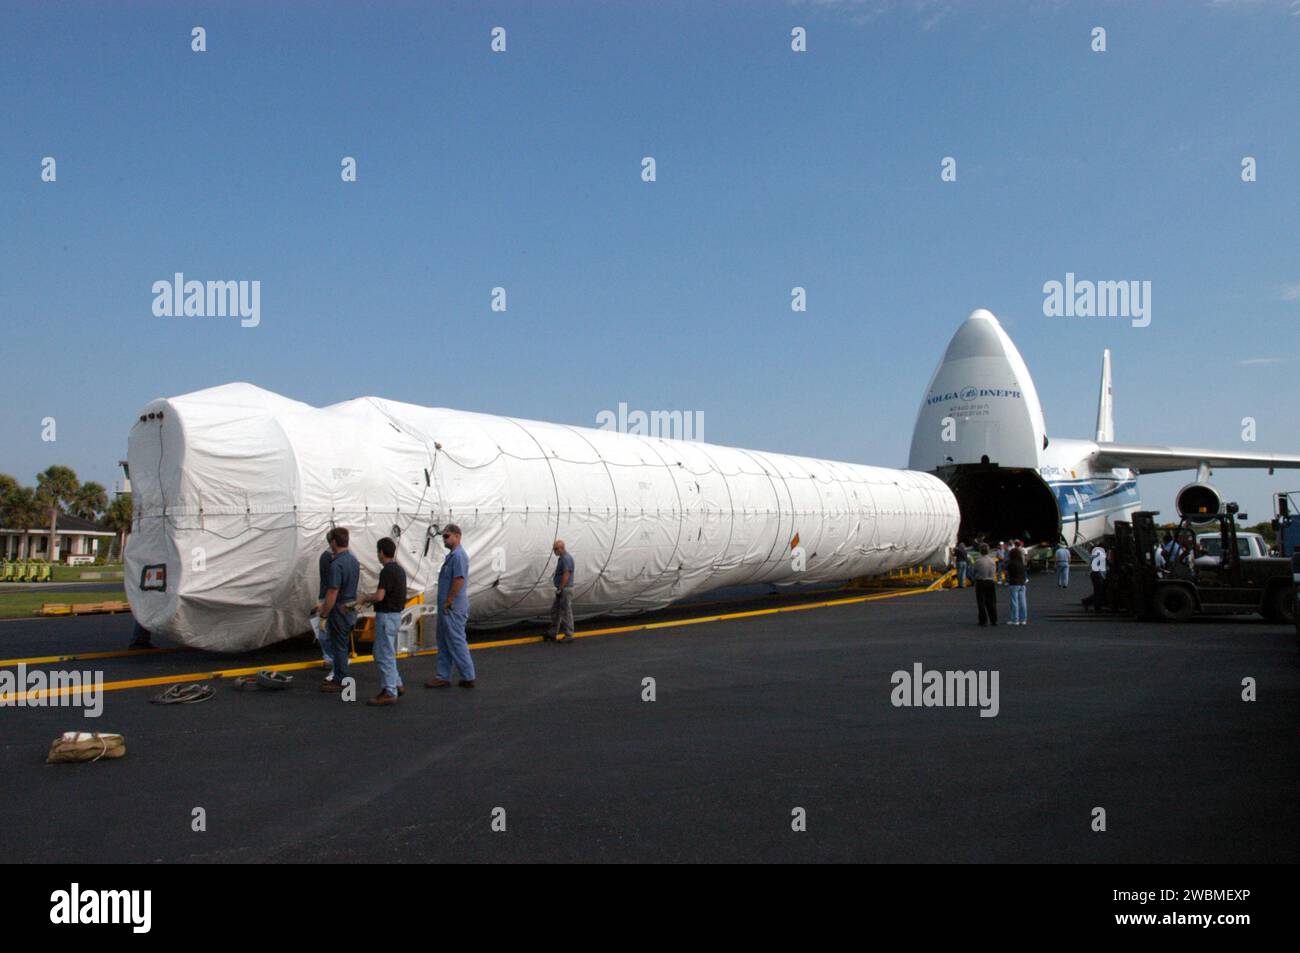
335 615
987 568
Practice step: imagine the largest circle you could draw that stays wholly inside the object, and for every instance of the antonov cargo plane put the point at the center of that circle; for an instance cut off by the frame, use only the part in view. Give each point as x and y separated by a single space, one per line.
981 430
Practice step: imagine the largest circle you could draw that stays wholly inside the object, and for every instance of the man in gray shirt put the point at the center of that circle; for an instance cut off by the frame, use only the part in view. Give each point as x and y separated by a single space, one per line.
1063 565
562 607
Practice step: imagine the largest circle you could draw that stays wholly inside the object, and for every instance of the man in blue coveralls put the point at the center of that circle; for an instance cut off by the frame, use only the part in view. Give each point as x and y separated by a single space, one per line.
562 608
453 613
339 607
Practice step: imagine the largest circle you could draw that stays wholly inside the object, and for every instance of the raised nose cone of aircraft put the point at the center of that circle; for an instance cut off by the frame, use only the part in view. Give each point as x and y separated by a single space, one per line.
980 427
979 335
981 405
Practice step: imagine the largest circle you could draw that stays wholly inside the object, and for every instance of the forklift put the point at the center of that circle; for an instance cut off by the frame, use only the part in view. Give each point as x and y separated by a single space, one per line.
1225 584
1286 527
1286 523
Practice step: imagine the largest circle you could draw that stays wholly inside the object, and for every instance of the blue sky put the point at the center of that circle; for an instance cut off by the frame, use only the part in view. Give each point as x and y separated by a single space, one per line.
775 169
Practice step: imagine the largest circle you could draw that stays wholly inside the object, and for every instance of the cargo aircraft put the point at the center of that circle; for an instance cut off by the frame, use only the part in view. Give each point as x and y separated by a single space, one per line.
981 430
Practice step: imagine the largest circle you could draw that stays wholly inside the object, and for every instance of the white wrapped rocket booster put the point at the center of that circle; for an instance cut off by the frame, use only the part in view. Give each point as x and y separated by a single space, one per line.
234 488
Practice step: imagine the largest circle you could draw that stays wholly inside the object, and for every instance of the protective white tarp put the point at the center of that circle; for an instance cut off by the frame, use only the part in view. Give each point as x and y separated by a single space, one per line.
234 488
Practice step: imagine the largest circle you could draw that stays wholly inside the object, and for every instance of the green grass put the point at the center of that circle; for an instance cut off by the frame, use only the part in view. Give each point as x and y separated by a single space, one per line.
65 573
23 605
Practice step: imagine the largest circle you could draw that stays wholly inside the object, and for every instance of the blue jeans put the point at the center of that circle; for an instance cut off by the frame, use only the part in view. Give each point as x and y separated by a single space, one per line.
453 646
386 626
323 640
340 644
961 574
1063 575
1019 609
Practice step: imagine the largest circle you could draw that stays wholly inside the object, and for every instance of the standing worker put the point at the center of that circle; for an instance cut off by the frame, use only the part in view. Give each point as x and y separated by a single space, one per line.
1173 553
1063 565
339 608
960 556
1017 580
453 613
562 607
1098 577
389 599
318 623
986 587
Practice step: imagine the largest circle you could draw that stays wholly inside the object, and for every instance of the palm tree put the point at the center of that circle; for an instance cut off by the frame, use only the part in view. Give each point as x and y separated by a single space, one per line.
90 501
55 488
8 487
118 518
22 511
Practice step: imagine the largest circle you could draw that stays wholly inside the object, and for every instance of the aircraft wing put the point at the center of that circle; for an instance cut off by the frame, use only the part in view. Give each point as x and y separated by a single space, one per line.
1146 458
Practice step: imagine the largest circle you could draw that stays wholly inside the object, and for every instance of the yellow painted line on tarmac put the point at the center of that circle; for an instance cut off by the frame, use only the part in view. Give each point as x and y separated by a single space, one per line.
39 693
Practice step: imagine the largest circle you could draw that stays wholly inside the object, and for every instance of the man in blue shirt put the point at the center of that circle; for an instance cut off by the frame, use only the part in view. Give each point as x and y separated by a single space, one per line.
453 613
339 607
562 608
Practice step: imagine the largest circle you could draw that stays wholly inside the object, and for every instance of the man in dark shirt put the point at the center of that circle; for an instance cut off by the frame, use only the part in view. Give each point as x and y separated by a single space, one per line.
339 608
562 607
389 600
317 623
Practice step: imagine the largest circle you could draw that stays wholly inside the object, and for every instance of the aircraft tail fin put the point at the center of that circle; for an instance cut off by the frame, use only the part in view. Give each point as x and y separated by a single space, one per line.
1105 403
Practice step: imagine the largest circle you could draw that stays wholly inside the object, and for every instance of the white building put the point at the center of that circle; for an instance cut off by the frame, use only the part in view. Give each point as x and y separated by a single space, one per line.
79 540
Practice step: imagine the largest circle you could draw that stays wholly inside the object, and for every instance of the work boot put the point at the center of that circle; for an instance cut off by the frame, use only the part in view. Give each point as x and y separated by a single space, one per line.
466 683
437 683
383 698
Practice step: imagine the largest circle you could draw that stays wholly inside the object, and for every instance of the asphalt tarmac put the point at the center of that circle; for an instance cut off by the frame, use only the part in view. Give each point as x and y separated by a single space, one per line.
752 718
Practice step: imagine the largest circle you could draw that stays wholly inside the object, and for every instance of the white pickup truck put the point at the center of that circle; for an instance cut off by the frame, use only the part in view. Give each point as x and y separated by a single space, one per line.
1249 545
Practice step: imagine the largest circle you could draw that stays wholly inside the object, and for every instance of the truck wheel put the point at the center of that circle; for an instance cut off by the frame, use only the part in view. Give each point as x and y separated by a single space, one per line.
1174 604
1280 606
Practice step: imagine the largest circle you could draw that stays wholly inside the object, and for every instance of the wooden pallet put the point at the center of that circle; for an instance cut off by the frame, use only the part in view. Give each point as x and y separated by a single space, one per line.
83 608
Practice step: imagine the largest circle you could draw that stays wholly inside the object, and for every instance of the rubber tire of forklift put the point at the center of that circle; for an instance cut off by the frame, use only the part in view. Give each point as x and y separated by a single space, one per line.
1279 605
1174 603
